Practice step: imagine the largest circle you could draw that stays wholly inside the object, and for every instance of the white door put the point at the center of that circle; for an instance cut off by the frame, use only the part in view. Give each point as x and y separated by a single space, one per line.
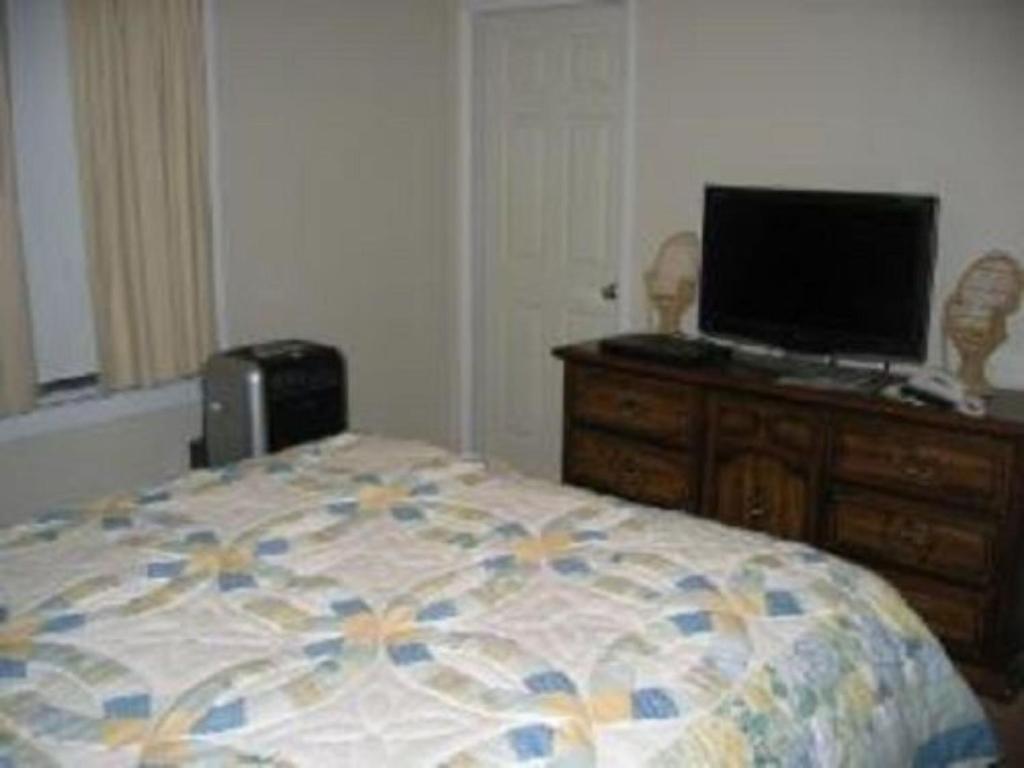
550 102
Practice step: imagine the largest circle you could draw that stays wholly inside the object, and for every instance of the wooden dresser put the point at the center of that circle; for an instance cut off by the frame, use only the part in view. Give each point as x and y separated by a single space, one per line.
932 500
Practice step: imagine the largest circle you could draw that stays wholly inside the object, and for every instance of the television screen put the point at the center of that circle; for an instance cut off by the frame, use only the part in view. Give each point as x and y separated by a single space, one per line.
819 272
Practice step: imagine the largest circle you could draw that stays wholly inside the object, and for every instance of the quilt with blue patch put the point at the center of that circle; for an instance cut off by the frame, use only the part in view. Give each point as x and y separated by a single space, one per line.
369 602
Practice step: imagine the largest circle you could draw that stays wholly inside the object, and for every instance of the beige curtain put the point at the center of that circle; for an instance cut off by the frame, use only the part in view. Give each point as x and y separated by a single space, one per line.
17 368
140 108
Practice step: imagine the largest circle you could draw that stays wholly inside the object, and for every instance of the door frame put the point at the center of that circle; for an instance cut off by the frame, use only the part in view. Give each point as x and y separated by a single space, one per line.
467 394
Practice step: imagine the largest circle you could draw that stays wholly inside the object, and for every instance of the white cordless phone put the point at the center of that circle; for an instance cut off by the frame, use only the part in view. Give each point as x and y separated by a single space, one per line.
942 388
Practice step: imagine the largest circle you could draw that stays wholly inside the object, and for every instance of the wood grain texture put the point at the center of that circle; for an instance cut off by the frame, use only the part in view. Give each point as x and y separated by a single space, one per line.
635 405
922 537
762 493
764 465
630 469
959 617
932 463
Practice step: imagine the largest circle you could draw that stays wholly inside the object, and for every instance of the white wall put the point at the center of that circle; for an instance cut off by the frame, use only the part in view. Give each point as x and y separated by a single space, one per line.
905 95
82 463
334 126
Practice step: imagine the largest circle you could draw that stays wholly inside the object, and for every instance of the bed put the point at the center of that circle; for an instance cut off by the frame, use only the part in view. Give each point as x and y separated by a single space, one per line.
370 602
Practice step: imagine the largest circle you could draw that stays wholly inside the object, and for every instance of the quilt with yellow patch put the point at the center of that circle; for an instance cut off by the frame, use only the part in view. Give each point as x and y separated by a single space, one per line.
367 602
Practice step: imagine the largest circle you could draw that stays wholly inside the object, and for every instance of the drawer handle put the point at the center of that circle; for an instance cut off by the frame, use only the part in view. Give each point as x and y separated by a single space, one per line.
921 473
630 469
757 508
914 535
629 406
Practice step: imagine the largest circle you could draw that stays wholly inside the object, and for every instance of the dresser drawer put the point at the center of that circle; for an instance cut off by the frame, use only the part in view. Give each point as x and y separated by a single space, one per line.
629 469
635 404
888 530
932 463
737 419
957 616
759 422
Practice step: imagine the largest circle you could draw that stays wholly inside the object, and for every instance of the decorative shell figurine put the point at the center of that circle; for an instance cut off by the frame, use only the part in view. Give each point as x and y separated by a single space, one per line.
672 280
975 315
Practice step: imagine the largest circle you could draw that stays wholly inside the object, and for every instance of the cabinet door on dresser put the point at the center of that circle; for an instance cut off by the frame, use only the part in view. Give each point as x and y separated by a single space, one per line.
764 468
762 493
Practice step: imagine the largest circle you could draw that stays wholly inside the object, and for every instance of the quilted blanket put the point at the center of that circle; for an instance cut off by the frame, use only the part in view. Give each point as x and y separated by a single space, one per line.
367 602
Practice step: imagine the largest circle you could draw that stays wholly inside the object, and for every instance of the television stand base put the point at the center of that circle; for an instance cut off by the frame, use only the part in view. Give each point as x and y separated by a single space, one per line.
813 373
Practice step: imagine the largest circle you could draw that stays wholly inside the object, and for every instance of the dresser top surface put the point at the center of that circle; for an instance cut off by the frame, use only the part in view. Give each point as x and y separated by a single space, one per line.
1005 407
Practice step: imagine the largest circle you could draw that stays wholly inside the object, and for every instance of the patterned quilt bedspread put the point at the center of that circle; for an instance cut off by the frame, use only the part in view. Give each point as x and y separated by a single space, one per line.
368 602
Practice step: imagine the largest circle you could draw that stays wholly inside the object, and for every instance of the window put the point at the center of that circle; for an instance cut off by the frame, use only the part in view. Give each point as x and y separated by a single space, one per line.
46 170
138 309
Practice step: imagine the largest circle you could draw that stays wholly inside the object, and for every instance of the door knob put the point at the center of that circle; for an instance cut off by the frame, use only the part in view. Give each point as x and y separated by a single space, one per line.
610 292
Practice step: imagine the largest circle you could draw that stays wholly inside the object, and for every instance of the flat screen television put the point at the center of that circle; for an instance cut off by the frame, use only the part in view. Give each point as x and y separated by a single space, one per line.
837 273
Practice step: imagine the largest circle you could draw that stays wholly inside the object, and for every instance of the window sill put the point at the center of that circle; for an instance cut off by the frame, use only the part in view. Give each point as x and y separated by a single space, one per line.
69 391
89 406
